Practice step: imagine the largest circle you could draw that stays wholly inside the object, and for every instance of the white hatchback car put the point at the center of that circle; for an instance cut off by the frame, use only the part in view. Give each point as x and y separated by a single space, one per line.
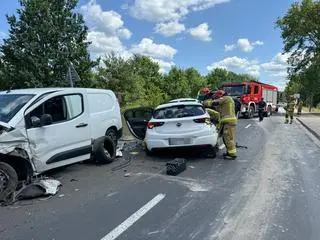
173 125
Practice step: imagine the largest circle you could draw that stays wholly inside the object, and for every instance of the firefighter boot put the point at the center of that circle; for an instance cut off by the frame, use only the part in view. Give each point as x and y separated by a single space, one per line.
229 157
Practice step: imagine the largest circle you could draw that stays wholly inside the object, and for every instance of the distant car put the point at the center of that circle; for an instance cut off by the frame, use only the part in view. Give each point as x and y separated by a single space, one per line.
183 100
173 125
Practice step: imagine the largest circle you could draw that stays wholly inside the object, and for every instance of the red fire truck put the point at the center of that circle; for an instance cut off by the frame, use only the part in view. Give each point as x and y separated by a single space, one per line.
250 93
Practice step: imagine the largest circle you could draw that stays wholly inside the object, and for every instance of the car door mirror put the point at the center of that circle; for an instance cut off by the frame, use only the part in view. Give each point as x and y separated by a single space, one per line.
35 121
46 119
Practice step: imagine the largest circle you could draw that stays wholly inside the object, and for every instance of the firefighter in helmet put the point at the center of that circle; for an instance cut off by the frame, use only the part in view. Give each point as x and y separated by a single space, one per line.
290 109
203 94
227 120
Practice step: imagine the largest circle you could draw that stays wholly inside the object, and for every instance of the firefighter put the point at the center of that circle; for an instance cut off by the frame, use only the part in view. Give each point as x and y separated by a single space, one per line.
203 94
261 109
300 104
227 121
290 109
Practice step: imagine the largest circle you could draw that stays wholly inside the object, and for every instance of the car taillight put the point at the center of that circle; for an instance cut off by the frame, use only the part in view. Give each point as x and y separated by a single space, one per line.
154 124
202 120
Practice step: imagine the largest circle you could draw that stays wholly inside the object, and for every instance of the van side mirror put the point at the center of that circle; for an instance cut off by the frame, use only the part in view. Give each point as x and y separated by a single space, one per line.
46 119
35 121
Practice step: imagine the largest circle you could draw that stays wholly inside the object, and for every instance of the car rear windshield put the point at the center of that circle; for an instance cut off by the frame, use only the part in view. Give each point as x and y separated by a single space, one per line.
179 111
10 104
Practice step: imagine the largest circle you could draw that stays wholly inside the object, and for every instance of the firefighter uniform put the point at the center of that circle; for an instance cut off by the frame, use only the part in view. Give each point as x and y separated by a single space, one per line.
290 110
227 122
300 104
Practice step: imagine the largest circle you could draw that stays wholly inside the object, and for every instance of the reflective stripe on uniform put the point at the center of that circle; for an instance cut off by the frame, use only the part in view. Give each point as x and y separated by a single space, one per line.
228 119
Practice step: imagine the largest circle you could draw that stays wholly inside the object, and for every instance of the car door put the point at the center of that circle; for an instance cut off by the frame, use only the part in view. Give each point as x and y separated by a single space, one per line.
137 120
64 140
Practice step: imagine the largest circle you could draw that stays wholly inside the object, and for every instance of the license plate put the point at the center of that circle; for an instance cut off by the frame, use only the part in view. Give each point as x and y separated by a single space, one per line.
179 141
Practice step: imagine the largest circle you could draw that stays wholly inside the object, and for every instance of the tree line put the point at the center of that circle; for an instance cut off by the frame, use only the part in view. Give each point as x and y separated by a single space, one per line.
47 37
300 31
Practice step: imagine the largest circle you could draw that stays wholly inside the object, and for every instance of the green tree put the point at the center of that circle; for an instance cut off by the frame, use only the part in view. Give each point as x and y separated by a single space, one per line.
300 31
137 80
176 84
195 81
44 38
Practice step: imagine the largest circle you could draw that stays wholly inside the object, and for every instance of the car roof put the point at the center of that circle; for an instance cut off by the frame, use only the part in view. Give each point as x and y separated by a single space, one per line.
183 100
172 104
40 91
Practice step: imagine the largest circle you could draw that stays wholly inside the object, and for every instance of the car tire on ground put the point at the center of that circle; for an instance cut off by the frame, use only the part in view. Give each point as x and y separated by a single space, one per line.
149 153
8 181
106 152
212 152
111 133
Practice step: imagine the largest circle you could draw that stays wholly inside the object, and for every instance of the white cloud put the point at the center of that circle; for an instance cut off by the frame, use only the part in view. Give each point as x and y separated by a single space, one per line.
201 32
164 65
170 28
229 48
232 63
277 64
258 43
168 10
124 33
109 22
244 45
253 70
102 44
148 48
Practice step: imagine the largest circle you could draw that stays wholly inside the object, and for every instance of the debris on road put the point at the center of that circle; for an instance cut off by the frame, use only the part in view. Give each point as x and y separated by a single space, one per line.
39 188
191 167
127 174
176 166
134 153
61 195
119 153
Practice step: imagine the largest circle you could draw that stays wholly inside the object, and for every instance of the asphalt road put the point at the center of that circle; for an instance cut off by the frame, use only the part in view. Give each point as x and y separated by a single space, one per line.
272 191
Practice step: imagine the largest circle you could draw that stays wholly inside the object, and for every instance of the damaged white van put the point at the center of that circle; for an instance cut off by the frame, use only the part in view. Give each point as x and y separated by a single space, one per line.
42 129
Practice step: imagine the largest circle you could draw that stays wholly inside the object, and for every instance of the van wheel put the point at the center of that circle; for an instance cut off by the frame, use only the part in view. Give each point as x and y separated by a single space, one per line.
8 181
106 152
111 133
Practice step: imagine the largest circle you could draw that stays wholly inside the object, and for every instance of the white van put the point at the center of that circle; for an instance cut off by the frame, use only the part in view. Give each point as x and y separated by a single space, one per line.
42 129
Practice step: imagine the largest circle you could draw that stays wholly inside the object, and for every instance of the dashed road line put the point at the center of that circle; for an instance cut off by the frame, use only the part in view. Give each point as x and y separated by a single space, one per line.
134 217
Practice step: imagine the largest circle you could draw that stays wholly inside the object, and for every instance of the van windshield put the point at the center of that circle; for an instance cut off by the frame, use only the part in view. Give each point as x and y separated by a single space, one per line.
10 104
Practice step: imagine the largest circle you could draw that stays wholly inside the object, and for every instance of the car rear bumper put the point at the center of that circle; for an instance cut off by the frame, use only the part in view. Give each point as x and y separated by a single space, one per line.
159 142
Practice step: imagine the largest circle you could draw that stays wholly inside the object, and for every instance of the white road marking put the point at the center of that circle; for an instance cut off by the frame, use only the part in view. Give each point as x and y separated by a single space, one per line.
134 217
248 126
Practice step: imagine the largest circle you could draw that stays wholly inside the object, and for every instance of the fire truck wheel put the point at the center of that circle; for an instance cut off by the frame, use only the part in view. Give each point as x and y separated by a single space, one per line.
269 111
251 112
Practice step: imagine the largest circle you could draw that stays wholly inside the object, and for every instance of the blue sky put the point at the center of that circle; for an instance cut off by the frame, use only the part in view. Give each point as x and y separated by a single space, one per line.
238 35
